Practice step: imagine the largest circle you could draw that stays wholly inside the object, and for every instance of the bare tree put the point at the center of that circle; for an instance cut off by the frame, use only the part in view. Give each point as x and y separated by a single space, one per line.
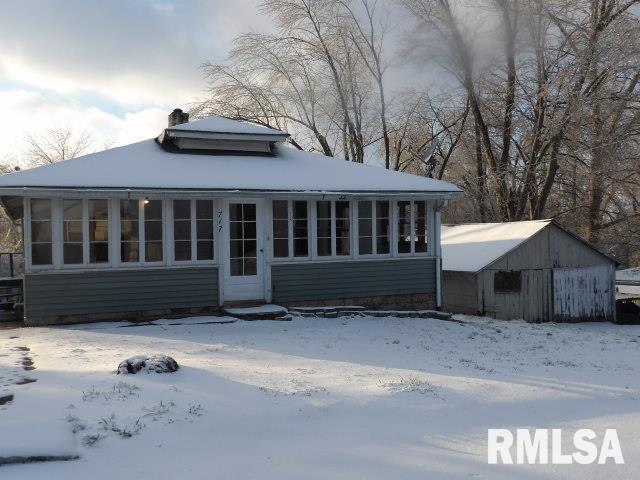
537 115
56 145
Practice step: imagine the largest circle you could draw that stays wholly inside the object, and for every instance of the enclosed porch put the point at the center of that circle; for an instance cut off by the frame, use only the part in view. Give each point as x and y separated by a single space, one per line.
93 257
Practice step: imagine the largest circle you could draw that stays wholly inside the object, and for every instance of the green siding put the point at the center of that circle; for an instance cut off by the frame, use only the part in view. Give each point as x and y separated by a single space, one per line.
51 295
327 280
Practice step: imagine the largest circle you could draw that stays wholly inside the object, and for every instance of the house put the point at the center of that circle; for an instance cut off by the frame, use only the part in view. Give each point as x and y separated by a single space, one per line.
534 270
214 212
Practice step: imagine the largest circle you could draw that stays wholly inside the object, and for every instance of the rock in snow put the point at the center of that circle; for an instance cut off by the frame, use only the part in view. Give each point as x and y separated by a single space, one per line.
153 363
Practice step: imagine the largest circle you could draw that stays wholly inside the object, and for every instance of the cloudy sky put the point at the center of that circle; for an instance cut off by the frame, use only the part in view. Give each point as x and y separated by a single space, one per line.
114 67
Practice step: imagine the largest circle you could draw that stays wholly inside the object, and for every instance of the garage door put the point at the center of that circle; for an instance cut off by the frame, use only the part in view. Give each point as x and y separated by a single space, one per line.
583 294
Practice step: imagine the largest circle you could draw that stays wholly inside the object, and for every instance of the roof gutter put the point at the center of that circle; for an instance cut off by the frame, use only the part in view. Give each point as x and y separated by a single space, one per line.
55 192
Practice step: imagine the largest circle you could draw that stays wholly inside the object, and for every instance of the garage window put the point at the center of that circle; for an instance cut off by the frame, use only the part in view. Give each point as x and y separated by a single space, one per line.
507 282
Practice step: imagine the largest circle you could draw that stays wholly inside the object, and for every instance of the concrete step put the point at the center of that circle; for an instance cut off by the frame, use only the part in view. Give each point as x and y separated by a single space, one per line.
258 312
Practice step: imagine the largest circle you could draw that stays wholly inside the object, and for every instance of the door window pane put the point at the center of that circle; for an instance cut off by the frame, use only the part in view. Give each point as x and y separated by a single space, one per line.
343 240
280 228
365 227
404 227
153 231
41 232
243 246
323 209
72 232
98 231
129 236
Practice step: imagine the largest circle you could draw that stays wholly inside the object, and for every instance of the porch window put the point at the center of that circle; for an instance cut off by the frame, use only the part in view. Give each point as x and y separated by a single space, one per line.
193 236
420 226
204 230
323 221
300 229
182 230
333 226
343 228
373 227
365 227
98 231
153 230
280 229
383 236
129 231
72 238
41 245
290 229
412 227
404 227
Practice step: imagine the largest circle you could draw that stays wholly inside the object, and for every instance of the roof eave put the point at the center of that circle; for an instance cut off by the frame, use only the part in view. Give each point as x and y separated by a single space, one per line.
24 191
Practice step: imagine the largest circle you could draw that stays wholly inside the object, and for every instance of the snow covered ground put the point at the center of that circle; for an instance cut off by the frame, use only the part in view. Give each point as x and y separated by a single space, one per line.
349 398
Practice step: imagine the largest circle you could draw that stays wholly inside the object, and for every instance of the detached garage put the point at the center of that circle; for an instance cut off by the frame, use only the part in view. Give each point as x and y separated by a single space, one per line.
535 270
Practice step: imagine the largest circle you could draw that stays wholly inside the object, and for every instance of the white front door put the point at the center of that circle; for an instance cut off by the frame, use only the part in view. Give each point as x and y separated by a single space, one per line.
243 250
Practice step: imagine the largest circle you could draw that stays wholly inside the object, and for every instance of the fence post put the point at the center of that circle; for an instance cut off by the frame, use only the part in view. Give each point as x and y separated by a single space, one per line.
11 265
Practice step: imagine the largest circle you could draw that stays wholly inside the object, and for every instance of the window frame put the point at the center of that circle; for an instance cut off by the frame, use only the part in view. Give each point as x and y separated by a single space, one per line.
83 231
374 228
290 230
86 221
313 217
57 234
28 234
429 225
117 240
170 233
515 287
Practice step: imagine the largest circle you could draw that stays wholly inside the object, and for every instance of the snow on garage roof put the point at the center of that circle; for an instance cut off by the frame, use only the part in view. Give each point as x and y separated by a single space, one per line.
146 165
629 274
471 247
224 125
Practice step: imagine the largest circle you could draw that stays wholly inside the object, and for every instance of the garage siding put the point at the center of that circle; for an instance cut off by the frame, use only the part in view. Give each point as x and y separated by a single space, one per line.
583 294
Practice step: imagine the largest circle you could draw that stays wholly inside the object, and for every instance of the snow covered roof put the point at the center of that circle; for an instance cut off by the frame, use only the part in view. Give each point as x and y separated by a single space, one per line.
471 247
629 274
146 165
224 125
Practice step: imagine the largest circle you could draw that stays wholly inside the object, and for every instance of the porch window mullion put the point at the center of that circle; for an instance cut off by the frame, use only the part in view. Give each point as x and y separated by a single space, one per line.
85 232
413 209
141 233
313 230
333 228
374 227
194 237
290 229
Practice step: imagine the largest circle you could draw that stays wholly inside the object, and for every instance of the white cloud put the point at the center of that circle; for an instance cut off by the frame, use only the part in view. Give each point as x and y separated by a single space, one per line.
27 112
82 64
138 54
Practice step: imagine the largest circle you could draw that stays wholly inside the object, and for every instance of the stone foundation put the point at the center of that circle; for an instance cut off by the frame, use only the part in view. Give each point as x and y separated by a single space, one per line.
414 301
143 316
